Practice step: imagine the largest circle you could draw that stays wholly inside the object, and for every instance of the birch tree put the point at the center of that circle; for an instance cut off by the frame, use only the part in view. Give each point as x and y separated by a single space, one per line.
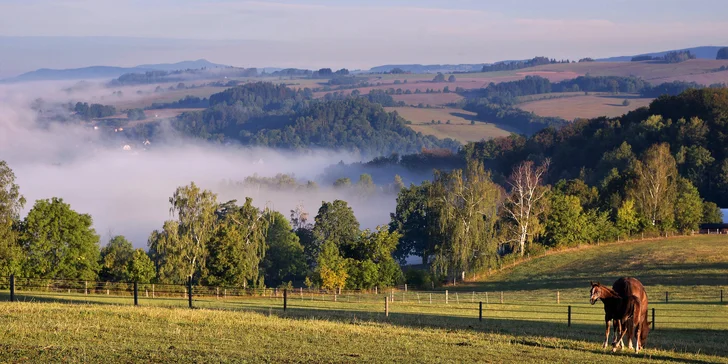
524 204
195 210
654 187
11 203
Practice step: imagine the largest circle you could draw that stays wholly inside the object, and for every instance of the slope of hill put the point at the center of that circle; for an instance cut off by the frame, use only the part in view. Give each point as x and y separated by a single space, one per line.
704 52
682 262
46 74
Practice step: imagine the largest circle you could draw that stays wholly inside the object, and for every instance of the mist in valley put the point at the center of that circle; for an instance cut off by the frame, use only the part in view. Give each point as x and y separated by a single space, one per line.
127 191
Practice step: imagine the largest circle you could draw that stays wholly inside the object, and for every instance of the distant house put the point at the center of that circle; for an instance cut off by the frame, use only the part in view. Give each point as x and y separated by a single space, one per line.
714 228
126 147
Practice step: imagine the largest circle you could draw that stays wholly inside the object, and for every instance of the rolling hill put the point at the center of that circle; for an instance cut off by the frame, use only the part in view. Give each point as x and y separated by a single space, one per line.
704 52
687 264
46 74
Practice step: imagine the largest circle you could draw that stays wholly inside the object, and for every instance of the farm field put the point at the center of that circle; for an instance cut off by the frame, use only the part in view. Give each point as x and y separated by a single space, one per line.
529 325
460 127
585 106
691 70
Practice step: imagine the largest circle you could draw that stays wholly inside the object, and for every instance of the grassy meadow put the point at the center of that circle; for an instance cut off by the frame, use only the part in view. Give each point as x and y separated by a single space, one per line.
530 325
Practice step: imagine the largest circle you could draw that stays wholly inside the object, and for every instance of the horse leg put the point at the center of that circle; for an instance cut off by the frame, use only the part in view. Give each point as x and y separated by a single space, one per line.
638 345
618 334
606 338
630 333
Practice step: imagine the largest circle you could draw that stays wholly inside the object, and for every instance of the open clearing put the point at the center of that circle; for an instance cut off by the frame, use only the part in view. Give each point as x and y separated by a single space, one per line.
585 106
460 127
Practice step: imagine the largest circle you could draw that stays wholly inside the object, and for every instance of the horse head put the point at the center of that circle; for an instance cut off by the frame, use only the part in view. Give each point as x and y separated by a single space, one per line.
595 293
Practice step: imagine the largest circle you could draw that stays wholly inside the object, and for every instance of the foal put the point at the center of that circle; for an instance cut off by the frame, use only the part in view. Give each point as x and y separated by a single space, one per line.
614 308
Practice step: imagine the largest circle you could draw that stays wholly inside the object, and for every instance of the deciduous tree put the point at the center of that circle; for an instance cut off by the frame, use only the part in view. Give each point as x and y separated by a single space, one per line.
11 203
59 242
523 205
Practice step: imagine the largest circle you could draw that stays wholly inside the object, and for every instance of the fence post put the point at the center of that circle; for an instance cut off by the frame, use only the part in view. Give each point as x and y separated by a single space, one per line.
480 315
569 315
85 287
386 306
189 291
666 295
486 298
152 291
653 319
285 299
558 297
405 287
376 290
472 299
136 294
12 288
501 297
721 296
430 298
446 296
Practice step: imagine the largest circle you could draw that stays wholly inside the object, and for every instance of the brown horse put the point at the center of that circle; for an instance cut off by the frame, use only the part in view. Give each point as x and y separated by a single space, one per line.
634 316
623 302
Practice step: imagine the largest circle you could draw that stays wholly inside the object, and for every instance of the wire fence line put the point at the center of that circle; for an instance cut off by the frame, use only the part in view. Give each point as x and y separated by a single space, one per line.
685 309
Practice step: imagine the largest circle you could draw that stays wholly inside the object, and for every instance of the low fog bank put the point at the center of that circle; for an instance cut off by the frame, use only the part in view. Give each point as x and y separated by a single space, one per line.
127 191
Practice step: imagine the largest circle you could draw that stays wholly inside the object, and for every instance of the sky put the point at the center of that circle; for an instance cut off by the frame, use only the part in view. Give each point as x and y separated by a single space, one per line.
354 34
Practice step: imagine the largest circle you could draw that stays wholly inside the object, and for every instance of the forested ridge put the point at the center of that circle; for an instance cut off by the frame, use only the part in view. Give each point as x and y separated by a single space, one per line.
264 114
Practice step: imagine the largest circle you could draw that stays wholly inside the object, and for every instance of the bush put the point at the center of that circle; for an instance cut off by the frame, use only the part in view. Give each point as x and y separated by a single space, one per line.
417 278
625 103
535 250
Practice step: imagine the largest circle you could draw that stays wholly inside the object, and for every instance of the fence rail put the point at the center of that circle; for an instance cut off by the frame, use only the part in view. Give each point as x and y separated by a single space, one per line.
567 308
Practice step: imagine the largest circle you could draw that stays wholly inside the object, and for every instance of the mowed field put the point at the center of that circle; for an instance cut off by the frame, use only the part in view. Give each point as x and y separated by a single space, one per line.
460 127
585 106
529 326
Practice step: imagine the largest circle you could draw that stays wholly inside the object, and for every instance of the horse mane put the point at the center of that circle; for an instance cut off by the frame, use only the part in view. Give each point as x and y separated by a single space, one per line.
606 288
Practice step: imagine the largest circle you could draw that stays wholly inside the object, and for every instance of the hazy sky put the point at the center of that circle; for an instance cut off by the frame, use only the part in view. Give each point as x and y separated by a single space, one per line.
354 34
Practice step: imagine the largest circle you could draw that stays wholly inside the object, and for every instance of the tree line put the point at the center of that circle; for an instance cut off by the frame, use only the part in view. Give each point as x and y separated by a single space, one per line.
206 240
516 65
509 92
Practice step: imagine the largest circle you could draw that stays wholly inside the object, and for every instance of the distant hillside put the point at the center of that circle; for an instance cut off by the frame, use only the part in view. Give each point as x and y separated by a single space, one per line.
704 52
432 68
46 74
200 63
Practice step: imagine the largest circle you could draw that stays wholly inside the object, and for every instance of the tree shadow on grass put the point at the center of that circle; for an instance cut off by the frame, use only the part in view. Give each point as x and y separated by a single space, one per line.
527 332
710 342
